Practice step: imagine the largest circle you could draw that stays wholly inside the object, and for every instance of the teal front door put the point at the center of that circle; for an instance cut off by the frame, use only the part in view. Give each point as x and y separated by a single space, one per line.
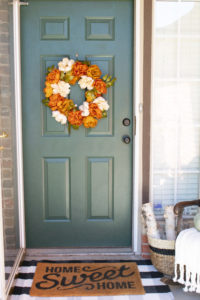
78 186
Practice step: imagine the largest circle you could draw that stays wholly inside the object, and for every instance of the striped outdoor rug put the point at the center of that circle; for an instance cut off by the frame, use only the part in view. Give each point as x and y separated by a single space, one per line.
154 288
8 267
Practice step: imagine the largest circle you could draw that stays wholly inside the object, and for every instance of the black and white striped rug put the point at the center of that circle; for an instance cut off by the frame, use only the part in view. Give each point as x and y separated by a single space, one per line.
154 288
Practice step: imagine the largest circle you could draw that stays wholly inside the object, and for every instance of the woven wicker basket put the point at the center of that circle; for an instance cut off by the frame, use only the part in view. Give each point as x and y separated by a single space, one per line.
162 255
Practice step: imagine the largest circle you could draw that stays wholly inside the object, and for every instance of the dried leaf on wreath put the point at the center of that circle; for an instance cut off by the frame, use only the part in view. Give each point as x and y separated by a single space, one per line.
45 102
49 69
104 114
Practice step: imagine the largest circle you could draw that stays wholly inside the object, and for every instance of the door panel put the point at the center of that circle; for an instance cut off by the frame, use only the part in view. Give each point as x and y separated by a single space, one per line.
78 186
59 209
100 203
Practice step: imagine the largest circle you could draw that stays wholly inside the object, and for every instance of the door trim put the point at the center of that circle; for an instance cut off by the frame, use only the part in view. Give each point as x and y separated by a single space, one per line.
137 102
138 111
18 121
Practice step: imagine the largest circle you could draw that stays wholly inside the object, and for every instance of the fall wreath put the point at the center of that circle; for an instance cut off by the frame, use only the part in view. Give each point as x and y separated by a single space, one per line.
90 79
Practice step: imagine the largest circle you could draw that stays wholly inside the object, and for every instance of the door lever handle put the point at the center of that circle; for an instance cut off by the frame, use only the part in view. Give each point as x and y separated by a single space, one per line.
3 135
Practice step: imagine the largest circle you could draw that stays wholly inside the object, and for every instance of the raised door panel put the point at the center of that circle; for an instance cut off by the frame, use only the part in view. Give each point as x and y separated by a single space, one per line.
100 188
57 189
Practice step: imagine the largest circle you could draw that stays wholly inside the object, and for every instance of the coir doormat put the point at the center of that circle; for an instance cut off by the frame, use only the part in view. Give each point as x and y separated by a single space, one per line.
86 279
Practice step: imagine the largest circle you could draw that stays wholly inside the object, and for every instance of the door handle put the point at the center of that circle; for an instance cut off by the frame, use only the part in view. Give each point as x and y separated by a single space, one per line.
126 139
3 135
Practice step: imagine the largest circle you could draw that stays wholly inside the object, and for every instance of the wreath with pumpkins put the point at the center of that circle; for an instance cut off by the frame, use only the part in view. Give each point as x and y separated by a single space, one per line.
89 78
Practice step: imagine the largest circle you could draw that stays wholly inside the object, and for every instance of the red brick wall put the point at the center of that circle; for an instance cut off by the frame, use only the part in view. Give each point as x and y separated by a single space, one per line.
145 247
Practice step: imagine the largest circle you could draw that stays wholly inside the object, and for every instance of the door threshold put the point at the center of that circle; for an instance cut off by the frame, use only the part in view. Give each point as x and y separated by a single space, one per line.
81 253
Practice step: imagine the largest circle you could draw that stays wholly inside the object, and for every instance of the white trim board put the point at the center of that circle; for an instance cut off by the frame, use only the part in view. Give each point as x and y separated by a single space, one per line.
138 109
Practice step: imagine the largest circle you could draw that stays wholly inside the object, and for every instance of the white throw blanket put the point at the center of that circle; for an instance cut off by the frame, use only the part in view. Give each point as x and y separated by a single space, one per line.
187 260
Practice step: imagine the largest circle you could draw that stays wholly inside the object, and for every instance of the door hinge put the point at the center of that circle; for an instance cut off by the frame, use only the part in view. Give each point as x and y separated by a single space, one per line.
19 3
134 125
24 3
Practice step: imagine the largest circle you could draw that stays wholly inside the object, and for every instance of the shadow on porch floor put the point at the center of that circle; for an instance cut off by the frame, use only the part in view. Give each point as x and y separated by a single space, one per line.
179 294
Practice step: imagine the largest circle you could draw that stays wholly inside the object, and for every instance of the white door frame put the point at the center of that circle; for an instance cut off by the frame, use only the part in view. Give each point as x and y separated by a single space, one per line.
137 100
18 120
138 111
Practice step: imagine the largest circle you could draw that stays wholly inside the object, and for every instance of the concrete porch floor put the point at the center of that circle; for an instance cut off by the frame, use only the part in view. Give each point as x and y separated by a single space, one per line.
179 294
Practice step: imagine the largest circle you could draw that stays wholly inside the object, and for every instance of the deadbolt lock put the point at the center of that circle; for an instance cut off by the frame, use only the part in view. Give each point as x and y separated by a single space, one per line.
126 122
